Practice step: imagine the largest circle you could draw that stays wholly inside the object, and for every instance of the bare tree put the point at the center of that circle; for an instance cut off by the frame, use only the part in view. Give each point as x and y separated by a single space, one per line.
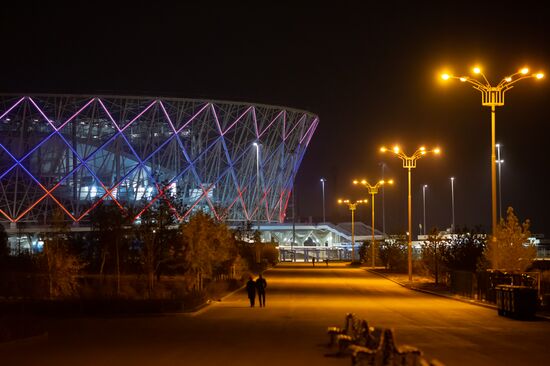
109 223
157 234
432 252
62 266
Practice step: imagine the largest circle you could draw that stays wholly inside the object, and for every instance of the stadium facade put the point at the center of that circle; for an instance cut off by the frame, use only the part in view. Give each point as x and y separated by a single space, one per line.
238 161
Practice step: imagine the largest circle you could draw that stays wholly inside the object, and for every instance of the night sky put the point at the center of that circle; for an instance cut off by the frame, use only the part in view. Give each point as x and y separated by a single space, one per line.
369 72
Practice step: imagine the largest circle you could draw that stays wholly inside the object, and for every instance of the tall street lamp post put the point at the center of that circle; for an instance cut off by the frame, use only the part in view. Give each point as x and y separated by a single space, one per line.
257 146
409 162
453 205
383 165
352 207
424 204
323 180
493 96
499 162
373 189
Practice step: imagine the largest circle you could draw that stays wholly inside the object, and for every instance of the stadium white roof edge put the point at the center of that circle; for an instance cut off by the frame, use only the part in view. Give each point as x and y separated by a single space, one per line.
148 97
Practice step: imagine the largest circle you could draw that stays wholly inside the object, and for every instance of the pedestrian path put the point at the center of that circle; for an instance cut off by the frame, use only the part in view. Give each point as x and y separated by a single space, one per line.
301 301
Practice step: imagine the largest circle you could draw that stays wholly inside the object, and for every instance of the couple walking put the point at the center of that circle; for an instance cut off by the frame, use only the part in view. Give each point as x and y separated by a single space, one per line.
256 287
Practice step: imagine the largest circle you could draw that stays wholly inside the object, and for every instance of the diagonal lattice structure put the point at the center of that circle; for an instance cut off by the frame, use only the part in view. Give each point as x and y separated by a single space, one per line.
235 160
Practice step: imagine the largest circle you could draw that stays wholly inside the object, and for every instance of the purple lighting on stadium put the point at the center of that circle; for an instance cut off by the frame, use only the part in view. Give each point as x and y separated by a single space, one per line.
208 154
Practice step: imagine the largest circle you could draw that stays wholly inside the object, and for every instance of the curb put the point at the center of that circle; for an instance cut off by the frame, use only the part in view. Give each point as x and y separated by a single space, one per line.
467 301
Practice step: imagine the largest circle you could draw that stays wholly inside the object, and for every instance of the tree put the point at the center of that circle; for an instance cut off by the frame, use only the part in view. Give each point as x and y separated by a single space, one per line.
364 251
62 266
509 248
109 224
157 235
432 251
465 250
207 245
245 231
4 244
393 253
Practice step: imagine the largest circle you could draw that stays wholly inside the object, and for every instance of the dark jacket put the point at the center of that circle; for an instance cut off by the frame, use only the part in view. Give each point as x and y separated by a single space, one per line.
261 284
251 288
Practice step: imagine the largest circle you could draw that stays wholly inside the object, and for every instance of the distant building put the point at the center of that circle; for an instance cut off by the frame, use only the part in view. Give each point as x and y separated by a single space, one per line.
305 241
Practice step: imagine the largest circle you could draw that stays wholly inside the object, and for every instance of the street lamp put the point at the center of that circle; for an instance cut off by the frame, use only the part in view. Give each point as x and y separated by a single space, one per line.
352 207
409 162
499 162
424 204
323 180
493 96
383 165
453 204
373 189
257 146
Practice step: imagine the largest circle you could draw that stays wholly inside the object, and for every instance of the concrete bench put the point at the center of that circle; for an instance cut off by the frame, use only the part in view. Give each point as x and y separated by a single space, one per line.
333 332
361 335
387 353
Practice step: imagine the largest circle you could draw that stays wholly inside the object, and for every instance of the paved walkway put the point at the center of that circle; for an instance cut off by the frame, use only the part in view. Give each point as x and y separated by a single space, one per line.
301 302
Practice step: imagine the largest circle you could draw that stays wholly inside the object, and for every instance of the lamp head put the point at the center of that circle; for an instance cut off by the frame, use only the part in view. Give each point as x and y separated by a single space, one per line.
437 150
383 149
524 71
477 70
540 75
355 181
445 76
396 149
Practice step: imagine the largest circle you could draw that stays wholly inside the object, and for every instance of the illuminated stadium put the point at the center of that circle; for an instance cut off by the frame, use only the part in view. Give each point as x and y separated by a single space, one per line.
235 160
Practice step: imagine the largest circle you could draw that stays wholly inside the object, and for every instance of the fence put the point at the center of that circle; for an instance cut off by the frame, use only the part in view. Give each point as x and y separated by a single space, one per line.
481 285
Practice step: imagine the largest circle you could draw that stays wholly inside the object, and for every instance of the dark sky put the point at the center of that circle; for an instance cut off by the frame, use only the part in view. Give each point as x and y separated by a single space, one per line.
369 72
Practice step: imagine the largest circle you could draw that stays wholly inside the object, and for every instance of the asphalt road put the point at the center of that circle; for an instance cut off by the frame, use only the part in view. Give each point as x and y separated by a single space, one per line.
301 302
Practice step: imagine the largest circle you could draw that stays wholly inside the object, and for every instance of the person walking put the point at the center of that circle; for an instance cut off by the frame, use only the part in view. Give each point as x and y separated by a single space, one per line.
261 284
251 290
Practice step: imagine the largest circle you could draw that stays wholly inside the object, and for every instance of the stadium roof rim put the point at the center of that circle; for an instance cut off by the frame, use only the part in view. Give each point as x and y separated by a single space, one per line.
159 97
